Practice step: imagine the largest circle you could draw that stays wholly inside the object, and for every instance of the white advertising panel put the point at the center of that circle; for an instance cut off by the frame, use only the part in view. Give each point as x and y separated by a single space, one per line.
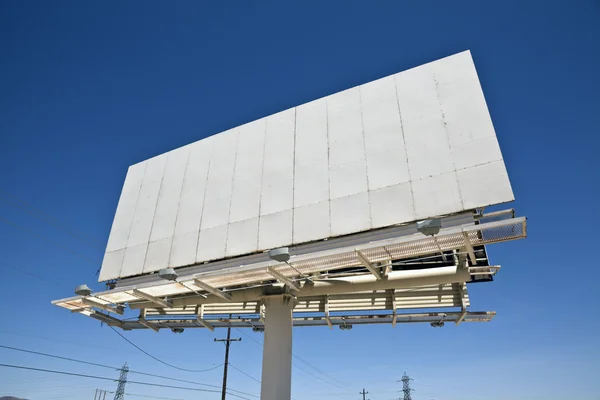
409 146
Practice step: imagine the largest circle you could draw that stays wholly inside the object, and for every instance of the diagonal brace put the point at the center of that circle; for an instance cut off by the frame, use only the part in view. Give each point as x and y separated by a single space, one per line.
365 261
211 289
153 299
283 279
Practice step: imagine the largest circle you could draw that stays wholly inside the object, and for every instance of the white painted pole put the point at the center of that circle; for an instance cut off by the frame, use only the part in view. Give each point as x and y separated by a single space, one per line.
277 350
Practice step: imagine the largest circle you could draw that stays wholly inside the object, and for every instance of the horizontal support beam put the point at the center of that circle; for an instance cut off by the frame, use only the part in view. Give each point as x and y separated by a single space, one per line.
346 285
213 290
283 279
152 299
105 307
376 318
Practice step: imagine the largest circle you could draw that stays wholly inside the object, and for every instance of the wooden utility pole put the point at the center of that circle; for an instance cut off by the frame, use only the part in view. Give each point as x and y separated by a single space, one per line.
227 342
364 394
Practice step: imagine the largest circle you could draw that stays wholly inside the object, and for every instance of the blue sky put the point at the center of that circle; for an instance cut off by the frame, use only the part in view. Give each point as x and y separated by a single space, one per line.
89 88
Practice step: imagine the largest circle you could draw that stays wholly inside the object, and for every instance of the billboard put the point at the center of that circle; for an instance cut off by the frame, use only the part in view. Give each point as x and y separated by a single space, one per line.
409 146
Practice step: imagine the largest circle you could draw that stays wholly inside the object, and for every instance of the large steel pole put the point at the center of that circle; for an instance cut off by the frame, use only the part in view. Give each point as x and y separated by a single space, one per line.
277 350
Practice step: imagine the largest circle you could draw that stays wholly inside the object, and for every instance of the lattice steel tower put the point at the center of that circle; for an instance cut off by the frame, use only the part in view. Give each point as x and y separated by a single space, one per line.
120 393
406 386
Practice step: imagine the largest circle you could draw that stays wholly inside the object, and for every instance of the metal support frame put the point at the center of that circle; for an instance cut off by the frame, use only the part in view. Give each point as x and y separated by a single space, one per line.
283 279
488 270
212 290
365 261
142 320
105 307
107 319
327 313
469 248
463 313
153 299
394 308
200 318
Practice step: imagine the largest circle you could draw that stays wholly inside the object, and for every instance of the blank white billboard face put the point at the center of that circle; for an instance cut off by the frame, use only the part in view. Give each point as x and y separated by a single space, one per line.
405 147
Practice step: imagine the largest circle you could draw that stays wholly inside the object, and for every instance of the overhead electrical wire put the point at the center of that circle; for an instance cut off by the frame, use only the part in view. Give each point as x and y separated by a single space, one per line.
115 379
158 359
242 372
118 368
334 383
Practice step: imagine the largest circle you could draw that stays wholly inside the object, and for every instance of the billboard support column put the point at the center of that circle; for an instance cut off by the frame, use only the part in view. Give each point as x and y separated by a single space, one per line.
277 350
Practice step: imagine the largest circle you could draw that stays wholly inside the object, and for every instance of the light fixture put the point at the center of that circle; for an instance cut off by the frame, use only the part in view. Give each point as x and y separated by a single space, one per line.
281 254
177 330
258 329
83 290
168 274
429 227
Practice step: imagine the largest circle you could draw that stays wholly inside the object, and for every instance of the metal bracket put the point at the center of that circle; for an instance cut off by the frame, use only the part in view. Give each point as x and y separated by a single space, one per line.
158 301
365 261
327 319
394 308
461 293
211 289
142 320
469 248
283 279
104 307
262 313
201 320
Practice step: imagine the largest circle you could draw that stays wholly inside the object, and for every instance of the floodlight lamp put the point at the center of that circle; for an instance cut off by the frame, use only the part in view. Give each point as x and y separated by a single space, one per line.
83 290
437 324
345 327
258 329
168 274
281 254
177 330
429 227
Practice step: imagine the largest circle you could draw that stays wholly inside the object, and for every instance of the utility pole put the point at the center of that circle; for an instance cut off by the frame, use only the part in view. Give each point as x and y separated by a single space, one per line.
120 393
226 364
406 386
364 394
100 394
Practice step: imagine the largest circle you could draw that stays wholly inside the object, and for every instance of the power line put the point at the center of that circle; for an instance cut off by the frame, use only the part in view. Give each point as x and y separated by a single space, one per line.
159 360
113 379
117 368
248 375
334 383
25 271
49 219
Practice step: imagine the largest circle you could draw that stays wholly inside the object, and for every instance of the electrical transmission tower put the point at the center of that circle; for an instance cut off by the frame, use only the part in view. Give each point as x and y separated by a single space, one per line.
120 393
406 386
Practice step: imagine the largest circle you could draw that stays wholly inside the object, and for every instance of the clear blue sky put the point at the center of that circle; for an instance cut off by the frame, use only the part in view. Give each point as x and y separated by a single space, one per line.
89 88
